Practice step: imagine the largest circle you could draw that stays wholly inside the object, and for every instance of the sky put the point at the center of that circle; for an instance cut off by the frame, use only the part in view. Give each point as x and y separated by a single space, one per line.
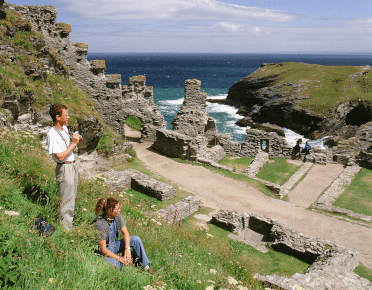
211 26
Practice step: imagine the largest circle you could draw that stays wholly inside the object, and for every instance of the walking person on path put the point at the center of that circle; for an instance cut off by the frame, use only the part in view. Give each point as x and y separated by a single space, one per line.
61 148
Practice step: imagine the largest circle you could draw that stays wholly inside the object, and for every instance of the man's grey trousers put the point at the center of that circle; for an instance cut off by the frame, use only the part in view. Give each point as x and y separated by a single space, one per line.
67 178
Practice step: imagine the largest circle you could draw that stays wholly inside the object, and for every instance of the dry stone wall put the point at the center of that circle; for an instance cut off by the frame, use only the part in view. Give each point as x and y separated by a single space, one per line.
332 265
114 101
180 210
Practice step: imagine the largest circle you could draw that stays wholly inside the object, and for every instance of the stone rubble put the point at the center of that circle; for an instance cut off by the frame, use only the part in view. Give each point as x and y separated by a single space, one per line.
332 265
180 210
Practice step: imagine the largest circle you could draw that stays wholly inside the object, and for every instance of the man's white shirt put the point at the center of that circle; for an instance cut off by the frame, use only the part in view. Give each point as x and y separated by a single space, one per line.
57 145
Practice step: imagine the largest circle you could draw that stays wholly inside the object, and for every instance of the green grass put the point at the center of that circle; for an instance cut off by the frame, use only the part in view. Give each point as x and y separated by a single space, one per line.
133 122
364 272
278 171
357 197
237 164
184 254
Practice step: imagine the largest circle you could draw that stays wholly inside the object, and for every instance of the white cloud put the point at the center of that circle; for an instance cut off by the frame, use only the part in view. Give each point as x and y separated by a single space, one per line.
173 10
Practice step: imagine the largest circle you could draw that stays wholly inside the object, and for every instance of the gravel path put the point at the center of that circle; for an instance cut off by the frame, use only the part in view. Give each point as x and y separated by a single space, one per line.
219 192
317 179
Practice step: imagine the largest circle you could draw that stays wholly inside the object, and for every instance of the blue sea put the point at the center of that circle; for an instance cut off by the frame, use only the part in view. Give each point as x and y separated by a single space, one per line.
167 73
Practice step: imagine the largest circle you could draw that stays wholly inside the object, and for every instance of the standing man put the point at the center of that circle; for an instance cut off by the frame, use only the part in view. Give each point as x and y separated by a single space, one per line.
61 148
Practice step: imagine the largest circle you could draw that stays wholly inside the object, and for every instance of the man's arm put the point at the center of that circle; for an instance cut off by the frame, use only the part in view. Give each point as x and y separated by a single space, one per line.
127 253
75 140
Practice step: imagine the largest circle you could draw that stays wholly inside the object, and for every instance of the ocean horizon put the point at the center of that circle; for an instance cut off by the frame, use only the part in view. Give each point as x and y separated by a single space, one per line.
167 73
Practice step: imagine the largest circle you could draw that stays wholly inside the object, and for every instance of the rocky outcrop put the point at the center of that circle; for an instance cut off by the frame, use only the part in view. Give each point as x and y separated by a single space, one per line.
332 265
269 95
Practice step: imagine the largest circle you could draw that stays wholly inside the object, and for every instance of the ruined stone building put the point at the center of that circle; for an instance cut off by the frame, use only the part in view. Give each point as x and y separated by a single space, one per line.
114 101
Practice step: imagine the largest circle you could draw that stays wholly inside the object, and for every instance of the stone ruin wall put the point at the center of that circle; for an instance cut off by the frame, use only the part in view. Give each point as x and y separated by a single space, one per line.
193 132
114 101
191 119
332 265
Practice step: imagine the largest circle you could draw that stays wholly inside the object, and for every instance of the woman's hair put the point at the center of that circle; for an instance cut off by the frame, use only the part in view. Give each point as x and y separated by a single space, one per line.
105 204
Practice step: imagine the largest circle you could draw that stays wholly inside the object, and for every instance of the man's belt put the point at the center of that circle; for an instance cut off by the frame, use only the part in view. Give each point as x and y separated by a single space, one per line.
67 162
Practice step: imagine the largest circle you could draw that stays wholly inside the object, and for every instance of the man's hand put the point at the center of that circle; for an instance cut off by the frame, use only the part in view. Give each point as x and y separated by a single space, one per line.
76 138
127 257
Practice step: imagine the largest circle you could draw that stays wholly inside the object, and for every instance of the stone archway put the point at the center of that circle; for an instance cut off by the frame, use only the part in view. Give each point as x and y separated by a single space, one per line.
132 127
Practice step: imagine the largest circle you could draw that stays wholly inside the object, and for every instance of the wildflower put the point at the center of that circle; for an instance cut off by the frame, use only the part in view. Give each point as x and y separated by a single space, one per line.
231 280
211 287
180 222
159 223
180 256
153 206
209 235
209 253
131 195
199 264
242 288
212 271
211 281
11 212
198 281
121 195
50 280
112 279
84 209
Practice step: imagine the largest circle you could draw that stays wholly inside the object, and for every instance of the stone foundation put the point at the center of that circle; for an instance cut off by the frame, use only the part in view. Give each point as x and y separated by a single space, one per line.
332 265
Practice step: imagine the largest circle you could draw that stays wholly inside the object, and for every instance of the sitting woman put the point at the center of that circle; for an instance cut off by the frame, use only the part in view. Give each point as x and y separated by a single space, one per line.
306 149
109 225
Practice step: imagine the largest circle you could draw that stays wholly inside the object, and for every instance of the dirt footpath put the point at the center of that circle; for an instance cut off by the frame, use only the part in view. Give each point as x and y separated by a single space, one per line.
317 179
219 192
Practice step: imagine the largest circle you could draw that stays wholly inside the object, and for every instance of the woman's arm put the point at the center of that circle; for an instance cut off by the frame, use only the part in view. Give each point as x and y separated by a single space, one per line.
127 253
106 252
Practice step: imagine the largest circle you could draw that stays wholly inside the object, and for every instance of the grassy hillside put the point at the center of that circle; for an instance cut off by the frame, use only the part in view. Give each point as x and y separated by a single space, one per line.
184 255
325 86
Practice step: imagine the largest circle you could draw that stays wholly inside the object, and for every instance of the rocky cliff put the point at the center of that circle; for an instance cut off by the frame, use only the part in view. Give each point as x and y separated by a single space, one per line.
313 100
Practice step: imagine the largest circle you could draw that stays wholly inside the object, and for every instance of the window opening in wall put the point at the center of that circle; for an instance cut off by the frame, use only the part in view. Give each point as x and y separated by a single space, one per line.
91 85
146 97
95 73
78 60
140 109
116 97
95 97
263 144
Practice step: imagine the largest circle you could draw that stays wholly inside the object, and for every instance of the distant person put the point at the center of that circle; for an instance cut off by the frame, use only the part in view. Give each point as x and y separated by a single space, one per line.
61 148
118 252
296 151
306 149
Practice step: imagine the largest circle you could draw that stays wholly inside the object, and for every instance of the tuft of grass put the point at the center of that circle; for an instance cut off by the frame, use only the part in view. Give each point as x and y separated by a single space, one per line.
357 197
278 171
134 123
